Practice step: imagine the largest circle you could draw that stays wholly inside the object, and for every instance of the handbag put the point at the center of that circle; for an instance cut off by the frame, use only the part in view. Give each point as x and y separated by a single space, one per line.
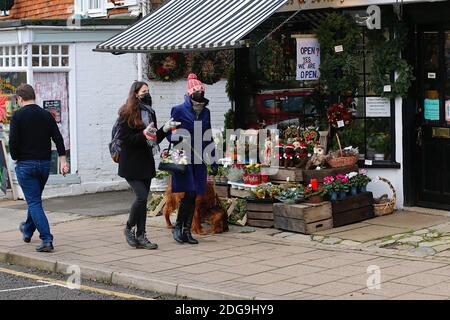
169 164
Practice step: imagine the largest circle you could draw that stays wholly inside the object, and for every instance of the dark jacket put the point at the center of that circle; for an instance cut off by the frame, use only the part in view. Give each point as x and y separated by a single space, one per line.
194 180
32 129
136 158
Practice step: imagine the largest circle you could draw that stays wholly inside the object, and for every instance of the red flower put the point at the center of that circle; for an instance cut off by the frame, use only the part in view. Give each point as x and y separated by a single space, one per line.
160 70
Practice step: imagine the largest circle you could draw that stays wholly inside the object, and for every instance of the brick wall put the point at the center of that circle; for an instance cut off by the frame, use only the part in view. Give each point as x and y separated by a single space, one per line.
40 9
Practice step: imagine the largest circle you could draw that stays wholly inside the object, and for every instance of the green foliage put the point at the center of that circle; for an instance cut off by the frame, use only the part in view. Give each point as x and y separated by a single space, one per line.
161 174
380 142
338 70
208 66
272 61
229 119
239 211
386 61
230 83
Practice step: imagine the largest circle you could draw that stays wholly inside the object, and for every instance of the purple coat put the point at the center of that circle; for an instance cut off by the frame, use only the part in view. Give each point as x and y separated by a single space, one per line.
194 179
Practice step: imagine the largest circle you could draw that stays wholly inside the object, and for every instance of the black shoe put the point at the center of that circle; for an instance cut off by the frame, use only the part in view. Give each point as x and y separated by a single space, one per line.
143 243
186 231
177 232
45 247
130 237
25 239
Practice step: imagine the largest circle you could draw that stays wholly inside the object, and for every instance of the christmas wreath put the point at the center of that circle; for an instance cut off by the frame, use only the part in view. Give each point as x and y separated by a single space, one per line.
272 61
209 67
167 66
338 112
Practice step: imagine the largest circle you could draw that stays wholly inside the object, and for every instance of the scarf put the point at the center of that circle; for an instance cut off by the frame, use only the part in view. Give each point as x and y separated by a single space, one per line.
147 113
198 106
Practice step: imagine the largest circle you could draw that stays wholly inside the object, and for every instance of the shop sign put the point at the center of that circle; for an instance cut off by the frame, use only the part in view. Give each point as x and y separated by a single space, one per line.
378 107
308 58
447 110
431 109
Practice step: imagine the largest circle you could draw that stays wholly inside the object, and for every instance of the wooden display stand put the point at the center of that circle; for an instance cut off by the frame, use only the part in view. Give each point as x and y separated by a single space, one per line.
222 189
260 214
322 173
294 174
305 218
353 209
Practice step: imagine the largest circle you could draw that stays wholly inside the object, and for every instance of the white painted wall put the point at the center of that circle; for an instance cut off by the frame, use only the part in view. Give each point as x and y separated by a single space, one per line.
395 176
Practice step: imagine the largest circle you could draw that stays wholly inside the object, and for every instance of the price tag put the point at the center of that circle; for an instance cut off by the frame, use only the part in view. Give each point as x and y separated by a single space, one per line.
339 48
368 162
341 123
431 75
387 88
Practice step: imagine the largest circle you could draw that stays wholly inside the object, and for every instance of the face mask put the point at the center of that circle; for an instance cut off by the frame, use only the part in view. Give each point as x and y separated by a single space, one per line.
146 98
198 96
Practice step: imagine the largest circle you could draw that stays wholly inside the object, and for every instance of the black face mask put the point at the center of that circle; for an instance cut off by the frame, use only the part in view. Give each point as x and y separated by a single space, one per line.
146 98
198 96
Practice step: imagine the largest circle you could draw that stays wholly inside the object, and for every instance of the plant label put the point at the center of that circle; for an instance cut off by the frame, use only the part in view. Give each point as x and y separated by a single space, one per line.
431 75
338 48
368 162
341 123
387 88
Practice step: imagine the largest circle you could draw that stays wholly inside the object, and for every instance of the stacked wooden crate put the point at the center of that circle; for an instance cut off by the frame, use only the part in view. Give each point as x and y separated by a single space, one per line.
260 214
305 218
353 209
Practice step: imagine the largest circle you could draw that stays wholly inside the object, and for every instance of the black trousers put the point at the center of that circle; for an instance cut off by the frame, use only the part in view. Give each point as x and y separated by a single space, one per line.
187 208
138 212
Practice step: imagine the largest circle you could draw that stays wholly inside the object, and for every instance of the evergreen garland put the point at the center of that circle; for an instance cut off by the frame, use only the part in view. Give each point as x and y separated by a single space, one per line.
338 70
208 66
272 61
386 61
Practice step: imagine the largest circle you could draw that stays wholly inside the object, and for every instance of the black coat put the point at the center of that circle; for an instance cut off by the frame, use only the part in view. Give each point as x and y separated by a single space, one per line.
136 158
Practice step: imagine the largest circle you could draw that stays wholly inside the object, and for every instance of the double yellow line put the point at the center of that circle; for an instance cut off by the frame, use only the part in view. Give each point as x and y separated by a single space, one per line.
82 287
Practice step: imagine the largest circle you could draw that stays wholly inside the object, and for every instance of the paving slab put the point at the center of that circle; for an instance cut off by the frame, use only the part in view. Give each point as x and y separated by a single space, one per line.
369 232
406 219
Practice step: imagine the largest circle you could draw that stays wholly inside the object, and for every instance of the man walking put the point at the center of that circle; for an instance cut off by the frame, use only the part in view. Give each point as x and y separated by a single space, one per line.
31 132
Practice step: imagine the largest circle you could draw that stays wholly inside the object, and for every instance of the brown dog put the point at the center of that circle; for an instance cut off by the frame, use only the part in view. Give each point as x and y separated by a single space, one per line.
207 210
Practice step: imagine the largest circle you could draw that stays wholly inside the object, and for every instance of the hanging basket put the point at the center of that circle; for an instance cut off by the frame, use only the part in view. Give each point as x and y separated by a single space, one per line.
383 205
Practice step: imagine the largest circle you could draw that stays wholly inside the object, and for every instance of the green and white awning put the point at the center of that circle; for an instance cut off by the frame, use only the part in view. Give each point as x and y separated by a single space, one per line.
182 25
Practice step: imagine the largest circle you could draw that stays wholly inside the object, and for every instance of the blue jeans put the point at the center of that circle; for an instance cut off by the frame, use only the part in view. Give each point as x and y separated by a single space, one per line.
32 176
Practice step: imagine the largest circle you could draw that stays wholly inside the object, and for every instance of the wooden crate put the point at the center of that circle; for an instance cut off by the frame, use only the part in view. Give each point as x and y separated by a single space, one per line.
260 214
322 173
238 193
353 209
222 190
305 218
294 174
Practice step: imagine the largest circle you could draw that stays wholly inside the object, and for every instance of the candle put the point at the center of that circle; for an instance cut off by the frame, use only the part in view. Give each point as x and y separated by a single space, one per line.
314 184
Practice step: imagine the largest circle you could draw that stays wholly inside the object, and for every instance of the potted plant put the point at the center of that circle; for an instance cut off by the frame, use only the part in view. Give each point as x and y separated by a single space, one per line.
291 195
329 186
380 144
235 173
353 182
363 180
266 191
161 181
341 185
314 196
254 176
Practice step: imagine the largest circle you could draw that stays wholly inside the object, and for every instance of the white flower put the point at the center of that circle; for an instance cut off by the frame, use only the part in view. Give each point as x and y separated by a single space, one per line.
352 174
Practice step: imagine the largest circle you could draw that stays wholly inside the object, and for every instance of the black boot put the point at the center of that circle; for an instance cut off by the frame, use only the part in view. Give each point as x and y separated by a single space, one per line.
177 231
143 243
186 234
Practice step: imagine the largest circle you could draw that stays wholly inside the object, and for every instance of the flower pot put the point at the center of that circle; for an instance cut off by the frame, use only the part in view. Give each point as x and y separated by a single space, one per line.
245 176
315 199
333 196
363 189
354 191
342 195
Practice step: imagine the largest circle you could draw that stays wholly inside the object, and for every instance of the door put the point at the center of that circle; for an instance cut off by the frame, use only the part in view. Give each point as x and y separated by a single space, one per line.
433 129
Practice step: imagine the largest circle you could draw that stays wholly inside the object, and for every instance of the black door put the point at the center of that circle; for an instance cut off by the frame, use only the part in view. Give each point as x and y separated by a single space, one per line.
433 127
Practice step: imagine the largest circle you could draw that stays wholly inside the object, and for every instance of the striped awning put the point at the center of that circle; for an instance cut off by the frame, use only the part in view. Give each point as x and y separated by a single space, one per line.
182 25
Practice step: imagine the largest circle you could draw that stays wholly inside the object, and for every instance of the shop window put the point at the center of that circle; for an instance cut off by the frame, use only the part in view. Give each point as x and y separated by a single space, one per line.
13 56
9 81
52 94
50 56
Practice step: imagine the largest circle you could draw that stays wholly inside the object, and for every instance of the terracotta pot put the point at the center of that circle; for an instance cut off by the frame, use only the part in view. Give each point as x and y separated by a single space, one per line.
315 199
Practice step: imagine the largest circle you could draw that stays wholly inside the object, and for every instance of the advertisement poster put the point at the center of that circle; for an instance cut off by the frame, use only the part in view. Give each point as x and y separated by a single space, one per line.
54 107
378 107
431 109
308 58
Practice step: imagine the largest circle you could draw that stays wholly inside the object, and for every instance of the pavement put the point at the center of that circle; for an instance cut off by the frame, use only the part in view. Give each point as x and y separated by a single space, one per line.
253 263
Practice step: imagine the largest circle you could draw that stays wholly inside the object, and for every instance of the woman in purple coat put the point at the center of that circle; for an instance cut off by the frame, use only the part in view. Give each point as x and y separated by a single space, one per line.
193 113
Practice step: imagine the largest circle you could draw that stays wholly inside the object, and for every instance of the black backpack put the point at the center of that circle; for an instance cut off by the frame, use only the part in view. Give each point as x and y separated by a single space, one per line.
115 144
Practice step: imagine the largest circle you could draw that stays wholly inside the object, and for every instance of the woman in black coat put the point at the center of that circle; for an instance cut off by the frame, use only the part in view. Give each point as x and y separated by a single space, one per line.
139 142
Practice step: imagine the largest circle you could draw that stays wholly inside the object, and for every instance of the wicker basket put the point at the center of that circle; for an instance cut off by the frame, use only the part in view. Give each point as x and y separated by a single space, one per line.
386 207
336 162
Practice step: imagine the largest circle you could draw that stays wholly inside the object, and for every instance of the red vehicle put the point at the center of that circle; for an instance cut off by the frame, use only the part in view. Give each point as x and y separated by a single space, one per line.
278 105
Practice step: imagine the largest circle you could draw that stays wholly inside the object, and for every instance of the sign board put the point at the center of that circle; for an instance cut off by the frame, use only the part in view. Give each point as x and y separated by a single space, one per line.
308 58
54 107
447 110
5 175
431 109
378 107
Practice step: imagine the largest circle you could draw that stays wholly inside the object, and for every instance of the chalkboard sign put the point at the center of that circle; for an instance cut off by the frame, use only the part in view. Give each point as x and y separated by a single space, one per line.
54 107
5 175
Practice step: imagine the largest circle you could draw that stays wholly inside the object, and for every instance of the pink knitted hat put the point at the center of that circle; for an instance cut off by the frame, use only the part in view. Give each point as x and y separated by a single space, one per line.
194 84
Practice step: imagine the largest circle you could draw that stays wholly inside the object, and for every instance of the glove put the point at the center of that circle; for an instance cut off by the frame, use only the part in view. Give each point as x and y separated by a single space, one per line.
150 132
214 171
169 125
